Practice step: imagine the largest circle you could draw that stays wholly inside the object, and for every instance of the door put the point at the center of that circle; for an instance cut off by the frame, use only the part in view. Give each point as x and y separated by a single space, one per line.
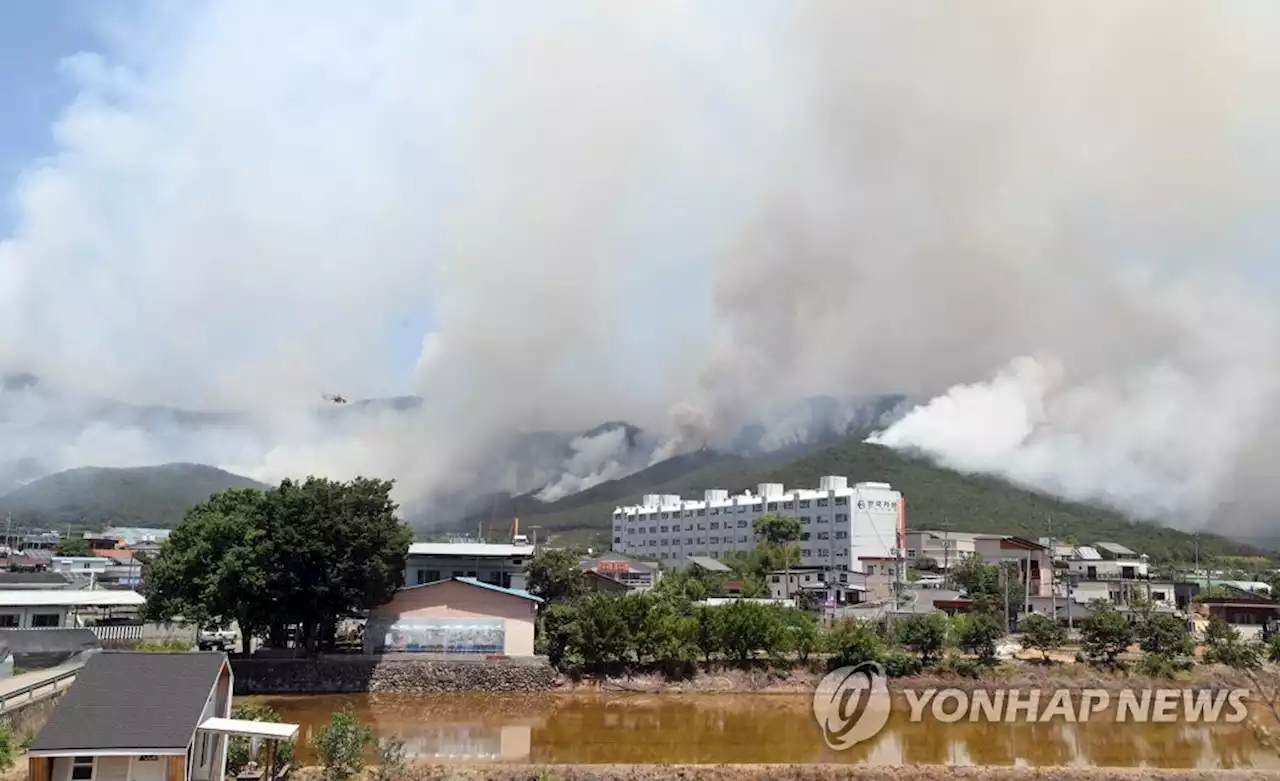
147 769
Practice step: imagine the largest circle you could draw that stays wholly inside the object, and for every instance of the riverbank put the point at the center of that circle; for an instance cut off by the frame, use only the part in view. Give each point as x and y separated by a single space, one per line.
496 772
1020 674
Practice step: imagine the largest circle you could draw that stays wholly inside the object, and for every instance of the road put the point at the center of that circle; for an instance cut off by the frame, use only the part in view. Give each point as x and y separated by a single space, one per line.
19 690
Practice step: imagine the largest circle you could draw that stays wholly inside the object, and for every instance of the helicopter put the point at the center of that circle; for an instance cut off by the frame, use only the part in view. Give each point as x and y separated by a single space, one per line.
335 398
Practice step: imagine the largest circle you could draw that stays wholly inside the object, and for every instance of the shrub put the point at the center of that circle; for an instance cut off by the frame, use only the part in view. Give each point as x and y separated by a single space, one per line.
924 633
1161 666
238 747
6 748
1043 633
1105 633
1224 645
391 764
959 666
340 745
978 635
1273 649
900 664
853 641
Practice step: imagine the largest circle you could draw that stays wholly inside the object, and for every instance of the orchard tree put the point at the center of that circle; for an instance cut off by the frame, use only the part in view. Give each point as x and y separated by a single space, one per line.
1105 633
1043 633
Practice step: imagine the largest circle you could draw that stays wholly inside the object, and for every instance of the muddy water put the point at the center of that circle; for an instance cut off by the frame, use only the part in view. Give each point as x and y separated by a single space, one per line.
752 728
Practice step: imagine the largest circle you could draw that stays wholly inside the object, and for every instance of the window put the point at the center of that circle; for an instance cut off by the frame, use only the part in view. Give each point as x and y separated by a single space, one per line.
824 535
702 540
715 525
688 513
702 512
653 543
47 619
841 517
742 524
842 501
715 511
911 553
804 504
788 506
664 553
653 529
842 535
617 540
702 527
457 573
804 520
776 579
715 540
688 541
9 621
471 573
823 520
804 536
664 529
664 543
824 553
743 538
824 502
82 768
806 553
773 506
1158 596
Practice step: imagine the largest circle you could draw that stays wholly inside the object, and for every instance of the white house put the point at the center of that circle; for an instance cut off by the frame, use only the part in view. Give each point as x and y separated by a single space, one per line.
497 565
49 608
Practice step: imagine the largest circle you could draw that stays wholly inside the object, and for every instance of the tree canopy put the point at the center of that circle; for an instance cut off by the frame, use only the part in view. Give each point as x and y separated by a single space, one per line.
301 554
73 546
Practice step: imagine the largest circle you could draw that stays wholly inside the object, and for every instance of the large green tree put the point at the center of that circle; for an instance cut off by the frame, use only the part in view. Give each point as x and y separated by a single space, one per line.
555 576
73 546
213 568
305 554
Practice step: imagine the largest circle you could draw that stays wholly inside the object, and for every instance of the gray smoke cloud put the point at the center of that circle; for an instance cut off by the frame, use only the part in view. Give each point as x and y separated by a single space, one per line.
685 216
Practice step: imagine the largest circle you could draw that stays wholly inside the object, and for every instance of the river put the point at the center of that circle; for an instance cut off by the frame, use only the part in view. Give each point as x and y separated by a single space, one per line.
751 728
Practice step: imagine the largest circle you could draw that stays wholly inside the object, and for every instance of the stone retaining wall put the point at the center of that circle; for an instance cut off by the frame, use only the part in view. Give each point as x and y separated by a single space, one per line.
399 673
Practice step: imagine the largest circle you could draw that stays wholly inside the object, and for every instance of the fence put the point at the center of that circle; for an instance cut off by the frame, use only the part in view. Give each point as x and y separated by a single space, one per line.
145 633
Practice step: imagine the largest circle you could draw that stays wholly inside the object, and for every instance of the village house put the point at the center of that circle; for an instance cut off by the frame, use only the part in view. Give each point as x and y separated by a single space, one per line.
145 717
457 616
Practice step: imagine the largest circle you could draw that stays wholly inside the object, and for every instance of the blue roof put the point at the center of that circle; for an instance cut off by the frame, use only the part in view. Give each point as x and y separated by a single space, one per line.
515 592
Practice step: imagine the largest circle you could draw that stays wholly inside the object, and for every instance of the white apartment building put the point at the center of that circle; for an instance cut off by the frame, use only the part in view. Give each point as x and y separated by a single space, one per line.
840 525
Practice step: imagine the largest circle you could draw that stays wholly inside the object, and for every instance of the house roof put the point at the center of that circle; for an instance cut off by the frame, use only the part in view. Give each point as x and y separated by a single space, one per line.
469 549
1114 548
513 592
132 700
707 563
32 578
70 598
1088 553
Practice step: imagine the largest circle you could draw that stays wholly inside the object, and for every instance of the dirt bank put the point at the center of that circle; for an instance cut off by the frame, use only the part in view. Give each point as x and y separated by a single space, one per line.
1024 675
800 773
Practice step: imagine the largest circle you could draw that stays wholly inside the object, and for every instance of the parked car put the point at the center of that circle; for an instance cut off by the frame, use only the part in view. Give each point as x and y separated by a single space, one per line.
217 639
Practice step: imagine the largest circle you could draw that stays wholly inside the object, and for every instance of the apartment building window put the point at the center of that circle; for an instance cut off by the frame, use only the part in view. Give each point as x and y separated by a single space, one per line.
842 501
688 513
788 506
871 569
804 536
715 510
653 543
742 509
806 553
702 527
804 504
911 553
664 543
804 520
824 535
773 506
653 529
664 529
688 527
715 554
702 512
823 520
663 556
688 541
840 554
617 540
824 502
715 540
715 525
743 538
742 524
824 553
775 579
702 540
842 535
666 515
842 517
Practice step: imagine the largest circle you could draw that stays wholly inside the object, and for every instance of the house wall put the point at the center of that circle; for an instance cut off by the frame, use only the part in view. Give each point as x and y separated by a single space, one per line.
505 571
946 551
458 600
214 745
1110 568
25 616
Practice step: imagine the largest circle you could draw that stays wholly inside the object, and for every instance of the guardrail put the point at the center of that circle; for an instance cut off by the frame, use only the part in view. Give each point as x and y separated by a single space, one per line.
44 688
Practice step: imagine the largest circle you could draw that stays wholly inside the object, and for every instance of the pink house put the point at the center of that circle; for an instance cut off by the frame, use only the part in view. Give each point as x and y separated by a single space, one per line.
457 616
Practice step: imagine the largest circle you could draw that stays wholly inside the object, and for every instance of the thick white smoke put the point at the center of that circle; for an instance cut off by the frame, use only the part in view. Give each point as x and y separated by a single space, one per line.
589 211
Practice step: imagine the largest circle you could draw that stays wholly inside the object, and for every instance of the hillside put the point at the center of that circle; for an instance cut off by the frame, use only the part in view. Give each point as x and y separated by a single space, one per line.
934 496
92 497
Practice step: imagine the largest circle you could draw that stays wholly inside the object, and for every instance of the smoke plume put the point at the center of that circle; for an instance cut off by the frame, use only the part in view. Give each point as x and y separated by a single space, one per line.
686 216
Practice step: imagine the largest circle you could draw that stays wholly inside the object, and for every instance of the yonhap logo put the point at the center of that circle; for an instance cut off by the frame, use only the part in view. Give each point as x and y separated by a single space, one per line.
852 704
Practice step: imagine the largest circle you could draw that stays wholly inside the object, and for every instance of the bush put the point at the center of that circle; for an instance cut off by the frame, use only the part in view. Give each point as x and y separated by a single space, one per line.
1106 634
900 664
959 666
1162 666
391 764
1043 633
978 633
6 748
853 641
1224 645
924 633
1273 649
340 745
238 747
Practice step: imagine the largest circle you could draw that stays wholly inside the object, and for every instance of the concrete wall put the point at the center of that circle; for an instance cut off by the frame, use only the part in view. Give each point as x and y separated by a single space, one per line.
406 674
459 600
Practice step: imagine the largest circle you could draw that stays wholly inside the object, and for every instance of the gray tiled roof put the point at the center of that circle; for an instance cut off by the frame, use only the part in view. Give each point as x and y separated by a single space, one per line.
132 700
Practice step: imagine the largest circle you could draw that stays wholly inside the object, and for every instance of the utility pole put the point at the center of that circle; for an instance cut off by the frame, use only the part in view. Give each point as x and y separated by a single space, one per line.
1053 571
946 552
8 540
1004 586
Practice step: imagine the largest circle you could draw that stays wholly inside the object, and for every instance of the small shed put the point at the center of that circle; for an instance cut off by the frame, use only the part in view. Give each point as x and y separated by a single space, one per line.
456 616
144 717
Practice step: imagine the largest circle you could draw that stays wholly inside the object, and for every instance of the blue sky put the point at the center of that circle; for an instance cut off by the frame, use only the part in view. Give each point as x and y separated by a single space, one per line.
34 37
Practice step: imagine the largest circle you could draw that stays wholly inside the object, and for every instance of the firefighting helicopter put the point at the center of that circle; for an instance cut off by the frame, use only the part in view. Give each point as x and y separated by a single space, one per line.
336 399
